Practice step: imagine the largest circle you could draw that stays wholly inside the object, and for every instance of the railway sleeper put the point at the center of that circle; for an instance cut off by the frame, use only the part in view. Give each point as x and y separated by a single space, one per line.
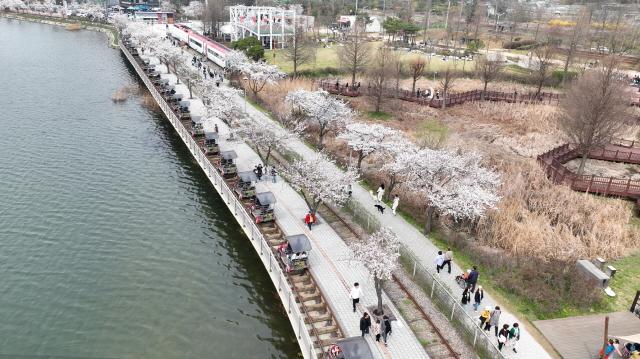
318 318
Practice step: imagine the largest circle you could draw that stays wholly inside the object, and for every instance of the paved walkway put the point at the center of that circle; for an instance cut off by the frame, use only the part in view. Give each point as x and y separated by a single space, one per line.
330 260
417 242
421 247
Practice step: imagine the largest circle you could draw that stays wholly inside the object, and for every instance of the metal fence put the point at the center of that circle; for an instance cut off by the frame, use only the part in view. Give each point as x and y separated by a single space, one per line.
439 293
252 231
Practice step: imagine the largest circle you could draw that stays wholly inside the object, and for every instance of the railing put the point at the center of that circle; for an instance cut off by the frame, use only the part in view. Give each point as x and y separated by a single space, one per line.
440 295
252 231
450 100
552 162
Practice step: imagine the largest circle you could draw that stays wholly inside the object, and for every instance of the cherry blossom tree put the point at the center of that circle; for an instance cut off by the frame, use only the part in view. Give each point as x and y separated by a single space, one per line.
321 110
220 102
11 5
366 138
235 61
194 9
454 184
258 74
121 21
379 253
398 160
319 181
166 5
189 74
169 54
264 137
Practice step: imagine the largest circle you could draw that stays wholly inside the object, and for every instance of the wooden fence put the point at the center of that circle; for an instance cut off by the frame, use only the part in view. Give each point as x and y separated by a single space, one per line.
451 100
552 162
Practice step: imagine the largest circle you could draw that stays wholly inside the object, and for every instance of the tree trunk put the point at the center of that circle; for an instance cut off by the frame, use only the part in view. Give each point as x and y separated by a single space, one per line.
413 86
428 224
360 158
392 185
583 161
378 285
353 76
320 140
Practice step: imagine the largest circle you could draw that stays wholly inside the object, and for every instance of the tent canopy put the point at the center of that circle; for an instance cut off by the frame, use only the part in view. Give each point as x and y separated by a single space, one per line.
355 348
247 176
299 243
265 198
228 155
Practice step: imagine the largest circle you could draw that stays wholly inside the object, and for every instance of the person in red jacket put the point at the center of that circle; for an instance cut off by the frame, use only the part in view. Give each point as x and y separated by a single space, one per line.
310 219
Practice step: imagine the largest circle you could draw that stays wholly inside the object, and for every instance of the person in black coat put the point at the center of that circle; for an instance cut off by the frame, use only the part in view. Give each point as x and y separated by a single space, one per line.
473 279
365 324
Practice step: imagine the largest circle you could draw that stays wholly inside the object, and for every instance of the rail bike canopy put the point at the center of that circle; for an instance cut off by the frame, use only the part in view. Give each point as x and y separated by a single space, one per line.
265 198
211 137
352 348
247 176
228 155
299 243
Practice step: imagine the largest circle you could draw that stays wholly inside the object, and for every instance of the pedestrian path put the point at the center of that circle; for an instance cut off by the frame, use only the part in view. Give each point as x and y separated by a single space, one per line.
422 248
331 260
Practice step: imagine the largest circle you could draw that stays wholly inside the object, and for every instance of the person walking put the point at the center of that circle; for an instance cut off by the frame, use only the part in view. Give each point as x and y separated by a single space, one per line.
484 316
394 206
514 337
439 261
477 298
259 172
309 219
380 193
503 336
448 257
355 294
473 279
273 174
387 328
365 324
375 330
494 319
466 297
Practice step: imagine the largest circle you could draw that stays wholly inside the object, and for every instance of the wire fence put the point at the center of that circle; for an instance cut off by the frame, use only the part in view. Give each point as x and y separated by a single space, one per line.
439 293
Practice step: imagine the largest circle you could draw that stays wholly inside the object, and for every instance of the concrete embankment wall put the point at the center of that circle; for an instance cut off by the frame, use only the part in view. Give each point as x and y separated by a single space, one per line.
247 224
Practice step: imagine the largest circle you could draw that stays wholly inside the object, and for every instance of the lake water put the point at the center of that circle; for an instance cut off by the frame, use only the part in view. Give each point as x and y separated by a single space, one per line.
113 244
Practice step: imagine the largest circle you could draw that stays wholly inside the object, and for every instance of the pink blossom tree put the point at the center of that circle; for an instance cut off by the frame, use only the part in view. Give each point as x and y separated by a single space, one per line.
319 181
379 253
367 138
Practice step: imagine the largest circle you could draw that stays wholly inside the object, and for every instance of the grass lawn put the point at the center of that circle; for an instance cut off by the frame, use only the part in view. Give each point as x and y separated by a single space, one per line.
325 57
328 58
379 115
626 282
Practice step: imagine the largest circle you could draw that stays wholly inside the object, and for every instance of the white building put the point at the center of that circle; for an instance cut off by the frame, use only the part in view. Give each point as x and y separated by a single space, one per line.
272 25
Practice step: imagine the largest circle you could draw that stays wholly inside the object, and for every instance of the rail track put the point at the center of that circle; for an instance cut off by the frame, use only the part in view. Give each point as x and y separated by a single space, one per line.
319 319
430 336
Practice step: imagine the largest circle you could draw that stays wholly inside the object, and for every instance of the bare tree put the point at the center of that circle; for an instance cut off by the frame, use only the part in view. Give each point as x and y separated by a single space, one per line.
355 53
416 68
543 65
449 78
595 109
577 34
398 68
489 69
215 15
299 50
380 71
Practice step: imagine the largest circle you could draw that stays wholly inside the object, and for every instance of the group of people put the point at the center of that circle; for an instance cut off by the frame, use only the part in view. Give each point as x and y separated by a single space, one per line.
613 349
425 93
379 203
354 86
207 71
381 329
506 335
261 171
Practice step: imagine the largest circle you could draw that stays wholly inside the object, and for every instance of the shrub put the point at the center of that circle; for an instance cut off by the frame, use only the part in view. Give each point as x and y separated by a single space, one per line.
518 44
251 46
558 75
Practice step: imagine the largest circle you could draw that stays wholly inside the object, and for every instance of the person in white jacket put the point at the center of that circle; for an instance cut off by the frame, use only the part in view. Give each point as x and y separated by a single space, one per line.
394 206
355 294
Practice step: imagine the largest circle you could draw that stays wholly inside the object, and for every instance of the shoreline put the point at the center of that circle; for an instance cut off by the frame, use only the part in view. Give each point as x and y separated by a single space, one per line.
108 30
